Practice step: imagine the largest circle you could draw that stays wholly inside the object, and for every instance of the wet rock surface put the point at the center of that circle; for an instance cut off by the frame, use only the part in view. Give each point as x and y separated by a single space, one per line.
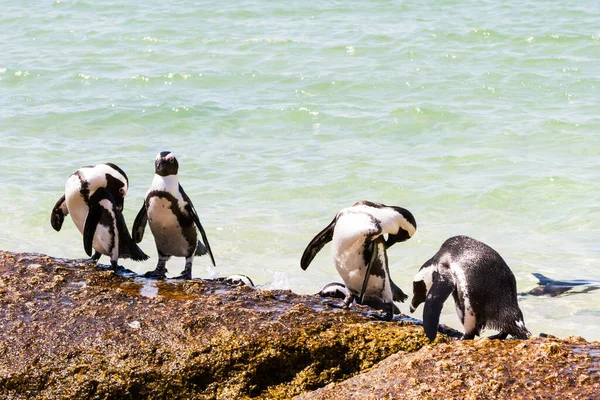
70 330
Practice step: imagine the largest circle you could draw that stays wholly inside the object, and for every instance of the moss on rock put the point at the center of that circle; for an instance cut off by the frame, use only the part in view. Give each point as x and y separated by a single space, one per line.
72 330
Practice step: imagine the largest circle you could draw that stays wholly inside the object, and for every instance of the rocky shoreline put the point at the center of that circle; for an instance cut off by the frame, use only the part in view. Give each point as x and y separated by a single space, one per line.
71 330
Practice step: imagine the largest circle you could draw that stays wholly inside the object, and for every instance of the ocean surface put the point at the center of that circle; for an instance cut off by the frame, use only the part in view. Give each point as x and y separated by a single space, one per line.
480 117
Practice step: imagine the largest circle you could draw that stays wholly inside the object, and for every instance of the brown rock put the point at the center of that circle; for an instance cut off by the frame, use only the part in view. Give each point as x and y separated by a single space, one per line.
69 330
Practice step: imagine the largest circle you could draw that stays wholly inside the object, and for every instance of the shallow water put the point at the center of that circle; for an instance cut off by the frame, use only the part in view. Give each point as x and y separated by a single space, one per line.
479 117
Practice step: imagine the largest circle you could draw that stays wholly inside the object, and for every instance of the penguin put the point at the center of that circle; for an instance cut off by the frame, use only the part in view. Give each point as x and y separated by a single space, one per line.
359 251
335 289
94 198
172 218
482 284
239 280
551 287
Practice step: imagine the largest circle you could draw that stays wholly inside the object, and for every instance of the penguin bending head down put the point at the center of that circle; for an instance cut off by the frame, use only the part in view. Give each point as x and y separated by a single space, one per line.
359 251
172 218
94 197
483 287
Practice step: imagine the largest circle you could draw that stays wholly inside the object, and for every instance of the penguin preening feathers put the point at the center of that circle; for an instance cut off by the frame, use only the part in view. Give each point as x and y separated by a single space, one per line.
482 285
172 218
94 198
359 251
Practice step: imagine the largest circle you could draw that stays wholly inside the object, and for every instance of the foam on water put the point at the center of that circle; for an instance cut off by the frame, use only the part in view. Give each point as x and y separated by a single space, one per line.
283 115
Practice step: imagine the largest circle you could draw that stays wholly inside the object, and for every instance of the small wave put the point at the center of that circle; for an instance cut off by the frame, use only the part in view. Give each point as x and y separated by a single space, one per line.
279 281
154 39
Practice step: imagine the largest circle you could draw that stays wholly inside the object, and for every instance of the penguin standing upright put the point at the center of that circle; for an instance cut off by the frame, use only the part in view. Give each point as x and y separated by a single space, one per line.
94 197
483 287
172 218
360 251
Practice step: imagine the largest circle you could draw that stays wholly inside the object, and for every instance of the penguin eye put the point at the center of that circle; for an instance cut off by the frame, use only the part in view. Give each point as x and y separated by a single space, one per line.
171 160
122 191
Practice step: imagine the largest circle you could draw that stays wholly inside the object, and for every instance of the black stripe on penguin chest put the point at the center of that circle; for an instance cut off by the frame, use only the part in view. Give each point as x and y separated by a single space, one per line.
85 186
185 223
378 268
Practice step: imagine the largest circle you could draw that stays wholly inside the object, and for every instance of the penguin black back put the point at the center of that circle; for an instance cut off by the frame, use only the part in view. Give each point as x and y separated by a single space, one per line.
482 285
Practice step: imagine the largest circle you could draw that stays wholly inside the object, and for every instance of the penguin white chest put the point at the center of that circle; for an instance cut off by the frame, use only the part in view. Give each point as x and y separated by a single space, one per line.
467 318
348 246
76 205
166 228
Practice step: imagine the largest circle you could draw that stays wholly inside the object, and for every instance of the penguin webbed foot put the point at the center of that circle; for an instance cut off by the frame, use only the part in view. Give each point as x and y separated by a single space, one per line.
387 317
119 269
499 336
185 275
469 336
348 300
96 257
156 274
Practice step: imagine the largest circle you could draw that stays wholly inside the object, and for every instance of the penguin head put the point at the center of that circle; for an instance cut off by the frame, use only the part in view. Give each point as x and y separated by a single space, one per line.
421 284
166 164
406 228
239 280
117 184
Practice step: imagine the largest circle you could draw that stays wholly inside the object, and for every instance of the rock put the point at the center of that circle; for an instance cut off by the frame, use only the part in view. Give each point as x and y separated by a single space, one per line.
70 330
500 370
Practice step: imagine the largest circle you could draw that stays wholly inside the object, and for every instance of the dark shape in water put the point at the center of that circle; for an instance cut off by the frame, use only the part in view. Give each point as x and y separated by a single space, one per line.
552 288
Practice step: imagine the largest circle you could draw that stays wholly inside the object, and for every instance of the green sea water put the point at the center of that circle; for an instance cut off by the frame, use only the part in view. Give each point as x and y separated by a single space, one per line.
480 117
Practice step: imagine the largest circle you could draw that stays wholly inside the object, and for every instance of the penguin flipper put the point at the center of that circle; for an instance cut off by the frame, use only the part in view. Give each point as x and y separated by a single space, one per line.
139 225
91 222
440 290
127 247
317 243
59 212
374 255
190 208
542 279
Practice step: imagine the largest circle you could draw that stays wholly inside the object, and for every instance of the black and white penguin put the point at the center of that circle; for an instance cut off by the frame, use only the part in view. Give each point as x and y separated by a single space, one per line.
173 219
359 251
94 197
239 280
551 287
483 287
335 289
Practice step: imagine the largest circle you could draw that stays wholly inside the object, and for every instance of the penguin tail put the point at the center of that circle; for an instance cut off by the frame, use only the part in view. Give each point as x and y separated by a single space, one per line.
201 249
378 304
398 294
521 332
127 247
134 253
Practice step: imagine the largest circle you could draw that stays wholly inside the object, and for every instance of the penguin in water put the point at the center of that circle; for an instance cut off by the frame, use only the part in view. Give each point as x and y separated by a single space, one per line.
551 287
172 218
483 287
359 251
94 197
